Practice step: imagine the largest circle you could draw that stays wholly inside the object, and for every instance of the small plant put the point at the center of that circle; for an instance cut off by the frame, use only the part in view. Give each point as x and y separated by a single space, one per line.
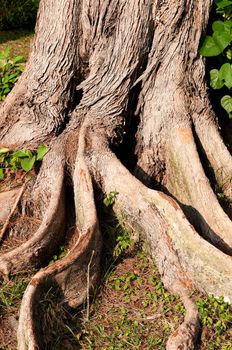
110 198
11 292
61 254
219 44
20 159
10 70
123 241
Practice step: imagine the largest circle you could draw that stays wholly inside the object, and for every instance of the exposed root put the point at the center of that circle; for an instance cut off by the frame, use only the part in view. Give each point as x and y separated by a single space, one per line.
49 196
181 254
5 226
184 259
185 337
186 180
71 275
216 153
7 200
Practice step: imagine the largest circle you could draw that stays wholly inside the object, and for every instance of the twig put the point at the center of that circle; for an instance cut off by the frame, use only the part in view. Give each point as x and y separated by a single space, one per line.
88 279
5 226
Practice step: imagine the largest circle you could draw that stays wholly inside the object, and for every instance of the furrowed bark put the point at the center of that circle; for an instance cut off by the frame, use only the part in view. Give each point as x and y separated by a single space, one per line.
166 148
38 105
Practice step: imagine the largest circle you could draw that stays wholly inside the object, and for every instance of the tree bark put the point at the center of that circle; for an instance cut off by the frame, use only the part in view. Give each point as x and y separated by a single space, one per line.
86 72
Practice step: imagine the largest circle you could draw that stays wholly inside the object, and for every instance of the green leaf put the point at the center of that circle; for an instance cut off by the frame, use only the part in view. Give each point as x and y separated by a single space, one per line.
41 151
214 45
222 39
27 163
218 26
19 59
215 79
22 153
1 174
223 3
226 74
226 103
4 150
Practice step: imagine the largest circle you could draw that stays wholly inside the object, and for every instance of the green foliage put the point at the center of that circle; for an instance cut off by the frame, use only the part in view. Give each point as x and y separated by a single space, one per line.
216 316
220 44
110 198
61 254
18 14
10 293
123 240
10 70
20 159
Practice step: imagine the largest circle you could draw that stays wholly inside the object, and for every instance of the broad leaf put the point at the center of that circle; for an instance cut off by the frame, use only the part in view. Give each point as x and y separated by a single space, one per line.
223 3
226 74
1 174
27 163
41 151
222 39
226 103
219 26
22 153
215 79
214 45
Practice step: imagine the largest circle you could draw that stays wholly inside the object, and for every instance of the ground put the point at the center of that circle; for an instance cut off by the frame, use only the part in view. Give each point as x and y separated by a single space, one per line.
131 309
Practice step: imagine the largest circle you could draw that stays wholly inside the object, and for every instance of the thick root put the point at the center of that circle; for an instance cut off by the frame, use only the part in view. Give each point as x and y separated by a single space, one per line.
180 253
220 160
74 275
46 201
185 337
7 200
187 182
182 256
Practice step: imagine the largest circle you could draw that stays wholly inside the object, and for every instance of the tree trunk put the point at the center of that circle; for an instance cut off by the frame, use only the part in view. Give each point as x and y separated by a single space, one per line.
95 74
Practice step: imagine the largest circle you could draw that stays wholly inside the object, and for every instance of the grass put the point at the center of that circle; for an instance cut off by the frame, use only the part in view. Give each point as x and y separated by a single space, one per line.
11 293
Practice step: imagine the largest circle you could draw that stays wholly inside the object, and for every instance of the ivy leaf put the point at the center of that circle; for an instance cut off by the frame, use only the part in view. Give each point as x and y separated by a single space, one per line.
226 74
27 163
219 26
41 151
226 103
214 45
215 79
222 39
1 174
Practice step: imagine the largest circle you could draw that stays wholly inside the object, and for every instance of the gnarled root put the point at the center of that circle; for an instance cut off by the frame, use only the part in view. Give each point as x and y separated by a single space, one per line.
46 201
182 256
187 181
185 337
71 276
